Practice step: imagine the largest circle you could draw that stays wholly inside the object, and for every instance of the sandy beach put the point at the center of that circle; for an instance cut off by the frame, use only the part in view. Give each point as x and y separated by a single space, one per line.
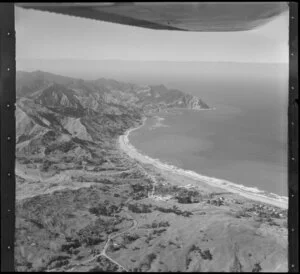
199 180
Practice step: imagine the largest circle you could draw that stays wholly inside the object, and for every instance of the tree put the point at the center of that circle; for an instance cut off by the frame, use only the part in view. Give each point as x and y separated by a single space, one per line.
257 268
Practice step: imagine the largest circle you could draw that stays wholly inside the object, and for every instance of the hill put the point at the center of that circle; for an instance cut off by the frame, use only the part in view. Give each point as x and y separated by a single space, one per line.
84 205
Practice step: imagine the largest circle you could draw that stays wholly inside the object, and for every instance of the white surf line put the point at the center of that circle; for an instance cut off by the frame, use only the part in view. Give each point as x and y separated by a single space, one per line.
149 176
247 192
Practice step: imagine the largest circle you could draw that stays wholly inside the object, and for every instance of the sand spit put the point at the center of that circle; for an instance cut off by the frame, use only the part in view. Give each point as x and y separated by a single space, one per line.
247 192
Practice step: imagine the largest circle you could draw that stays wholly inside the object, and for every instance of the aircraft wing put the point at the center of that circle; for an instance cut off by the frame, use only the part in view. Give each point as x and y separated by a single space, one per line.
181 16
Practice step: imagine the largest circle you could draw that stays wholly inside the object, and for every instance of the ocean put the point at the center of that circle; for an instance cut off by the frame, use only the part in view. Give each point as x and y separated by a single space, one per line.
243 140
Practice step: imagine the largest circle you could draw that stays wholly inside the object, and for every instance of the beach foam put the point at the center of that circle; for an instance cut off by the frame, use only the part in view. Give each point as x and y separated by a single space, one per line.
158 123
247 192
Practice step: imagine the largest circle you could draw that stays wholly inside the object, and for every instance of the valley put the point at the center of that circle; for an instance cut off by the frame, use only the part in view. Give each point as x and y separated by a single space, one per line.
82 204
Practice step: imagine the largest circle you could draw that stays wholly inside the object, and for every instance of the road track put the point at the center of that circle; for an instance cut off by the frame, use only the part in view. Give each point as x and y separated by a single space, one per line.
103 252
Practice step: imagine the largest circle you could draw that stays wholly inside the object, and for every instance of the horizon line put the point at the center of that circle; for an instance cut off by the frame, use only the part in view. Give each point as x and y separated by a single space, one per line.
166 61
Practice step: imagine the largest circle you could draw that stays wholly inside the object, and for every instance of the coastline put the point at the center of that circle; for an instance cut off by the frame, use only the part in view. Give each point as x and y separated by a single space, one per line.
246 192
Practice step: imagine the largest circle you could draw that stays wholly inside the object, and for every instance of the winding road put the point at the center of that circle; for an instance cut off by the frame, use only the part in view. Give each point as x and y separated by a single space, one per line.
103 252
113 236
110 237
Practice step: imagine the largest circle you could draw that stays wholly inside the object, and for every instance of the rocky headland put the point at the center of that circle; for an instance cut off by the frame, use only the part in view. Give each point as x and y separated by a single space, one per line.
84 205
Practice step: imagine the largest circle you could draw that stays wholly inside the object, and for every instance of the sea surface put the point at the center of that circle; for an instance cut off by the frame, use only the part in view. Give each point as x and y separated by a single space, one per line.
243 140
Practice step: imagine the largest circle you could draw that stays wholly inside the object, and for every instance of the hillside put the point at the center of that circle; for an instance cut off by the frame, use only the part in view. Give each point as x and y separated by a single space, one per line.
84 205
68 109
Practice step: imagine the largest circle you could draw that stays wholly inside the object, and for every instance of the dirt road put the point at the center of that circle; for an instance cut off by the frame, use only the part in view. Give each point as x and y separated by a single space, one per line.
103 252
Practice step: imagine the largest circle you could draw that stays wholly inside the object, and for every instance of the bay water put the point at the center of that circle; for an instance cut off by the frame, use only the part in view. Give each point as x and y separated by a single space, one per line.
242 140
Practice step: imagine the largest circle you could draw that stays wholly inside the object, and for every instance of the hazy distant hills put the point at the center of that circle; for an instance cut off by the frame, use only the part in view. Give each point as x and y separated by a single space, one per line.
42 85
56 113
157 72
79 196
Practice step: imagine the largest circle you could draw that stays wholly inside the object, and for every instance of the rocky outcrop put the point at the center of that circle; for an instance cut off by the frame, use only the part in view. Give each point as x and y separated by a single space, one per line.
193 102
91 111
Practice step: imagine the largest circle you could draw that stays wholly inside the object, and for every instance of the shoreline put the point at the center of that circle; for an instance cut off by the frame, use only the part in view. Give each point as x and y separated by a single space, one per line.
251 193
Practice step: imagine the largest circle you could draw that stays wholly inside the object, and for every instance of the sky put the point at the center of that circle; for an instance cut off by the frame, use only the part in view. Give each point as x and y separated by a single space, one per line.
44 35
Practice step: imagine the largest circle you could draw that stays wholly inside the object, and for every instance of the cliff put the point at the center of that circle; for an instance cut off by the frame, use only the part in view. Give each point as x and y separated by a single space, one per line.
91 111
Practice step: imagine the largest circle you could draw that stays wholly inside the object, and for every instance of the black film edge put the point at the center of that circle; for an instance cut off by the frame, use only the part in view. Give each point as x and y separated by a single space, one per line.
8 133
293 145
